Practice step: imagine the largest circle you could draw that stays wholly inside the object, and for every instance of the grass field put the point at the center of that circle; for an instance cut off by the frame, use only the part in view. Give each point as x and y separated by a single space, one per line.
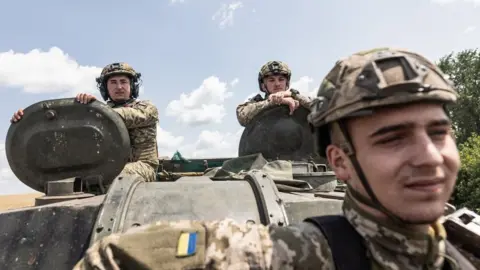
18 200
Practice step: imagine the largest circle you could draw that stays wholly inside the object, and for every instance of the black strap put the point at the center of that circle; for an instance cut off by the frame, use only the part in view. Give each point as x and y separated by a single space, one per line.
346 244
257 98
348 249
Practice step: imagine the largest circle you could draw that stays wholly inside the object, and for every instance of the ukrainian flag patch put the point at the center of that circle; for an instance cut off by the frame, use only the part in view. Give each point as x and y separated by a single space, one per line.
187 244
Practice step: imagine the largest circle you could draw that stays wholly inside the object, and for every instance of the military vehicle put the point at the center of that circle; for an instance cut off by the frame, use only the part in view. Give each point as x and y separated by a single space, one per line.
74 153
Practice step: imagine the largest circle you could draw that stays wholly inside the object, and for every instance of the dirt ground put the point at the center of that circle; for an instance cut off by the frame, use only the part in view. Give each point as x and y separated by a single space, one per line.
18 200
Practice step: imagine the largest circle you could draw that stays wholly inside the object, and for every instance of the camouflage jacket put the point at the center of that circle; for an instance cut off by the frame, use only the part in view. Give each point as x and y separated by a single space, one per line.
249 109
226 244
140 118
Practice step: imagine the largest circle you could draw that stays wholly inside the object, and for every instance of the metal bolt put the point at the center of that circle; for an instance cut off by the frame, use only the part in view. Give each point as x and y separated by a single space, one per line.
50 114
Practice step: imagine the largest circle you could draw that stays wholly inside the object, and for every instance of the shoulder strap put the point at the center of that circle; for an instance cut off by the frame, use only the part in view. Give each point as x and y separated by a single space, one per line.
257 98
349 252
346 244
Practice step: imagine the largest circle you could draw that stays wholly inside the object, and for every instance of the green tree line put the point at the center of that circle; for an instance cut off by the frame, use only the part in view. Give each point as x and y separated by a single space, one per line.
463 68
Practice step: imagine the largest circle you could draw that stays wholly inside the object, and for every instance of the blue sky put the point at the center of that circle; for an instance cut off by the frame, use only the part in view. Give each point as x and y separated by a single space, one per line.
199 59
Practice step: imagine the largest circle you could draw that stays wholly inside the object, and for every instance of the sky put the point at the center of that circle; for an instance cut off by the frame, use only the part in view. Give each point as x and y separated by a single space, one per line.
200 58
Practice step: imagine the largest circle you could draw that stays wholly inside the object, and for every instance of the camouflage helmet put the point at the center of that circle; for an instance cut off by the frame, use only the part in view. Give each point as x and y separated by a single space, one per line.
119 68
274 68
375 78
357 85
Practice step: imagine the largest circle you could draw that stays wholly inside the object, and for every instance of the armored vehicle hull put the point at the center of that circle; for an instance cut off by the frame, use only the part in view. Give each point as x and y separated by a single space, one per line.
83 148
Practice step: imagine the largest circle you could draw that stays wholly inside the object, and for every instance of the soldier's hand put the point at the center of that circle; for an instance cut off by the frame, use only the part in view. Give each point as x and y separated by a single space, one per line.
17 116
292 104
85 98
277 98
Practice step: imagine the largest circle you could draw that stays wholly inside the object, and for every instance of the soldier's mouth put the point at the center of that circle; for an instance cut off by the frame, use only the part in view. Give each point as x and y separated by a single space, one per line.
427 185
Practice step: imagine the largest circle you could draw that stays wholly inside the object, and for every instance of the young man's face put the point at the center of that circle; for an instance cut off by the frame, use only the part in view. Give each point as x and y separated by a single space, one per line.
275 83
119 87
409 157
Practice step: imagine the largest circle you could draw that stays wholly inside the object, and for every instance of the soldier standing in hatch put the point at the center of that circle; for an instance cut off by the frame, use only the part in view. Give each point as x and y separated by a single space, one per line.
119 86
384 107
274 81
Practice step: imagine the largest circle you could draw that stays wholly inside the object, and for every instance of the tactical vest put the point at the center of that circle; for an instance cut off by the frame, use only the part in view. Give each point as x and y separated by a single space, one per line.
348 249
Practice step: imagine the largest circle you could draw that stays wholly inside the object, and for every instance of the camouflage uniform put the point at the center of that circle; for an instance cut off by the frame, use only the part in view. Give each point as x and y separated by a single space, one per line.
226 244
249 109
140 118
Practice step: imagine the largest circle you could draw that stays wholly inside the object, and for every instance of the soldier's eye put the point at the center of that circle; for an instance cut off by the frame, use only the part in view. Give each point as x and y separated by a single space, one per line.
438 134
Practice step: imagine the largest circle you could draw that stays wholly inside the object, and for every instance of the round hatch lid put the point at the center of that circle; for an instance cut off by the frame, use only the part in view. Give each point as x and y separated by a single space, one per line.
278 135
62 138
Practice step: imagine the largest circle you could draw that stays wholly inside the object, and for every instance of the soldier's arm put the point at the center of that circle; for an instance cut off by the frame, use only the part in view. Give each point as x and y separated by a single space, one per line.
142 115
304 101
183 245
248 110
300 246
213 245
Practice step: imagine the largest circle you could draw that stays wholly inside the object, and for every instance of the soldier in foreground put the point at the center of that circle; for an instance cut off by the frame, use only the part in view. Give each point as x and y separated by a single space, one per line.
274 81
119 86
380 119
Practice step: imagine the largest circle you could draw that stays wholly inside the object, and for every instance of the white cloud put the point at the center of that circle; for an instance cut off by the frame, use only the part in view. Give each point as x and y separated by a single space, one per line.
305 86
210 143
177 1
203 105
213 144
51 71
167 142
225 13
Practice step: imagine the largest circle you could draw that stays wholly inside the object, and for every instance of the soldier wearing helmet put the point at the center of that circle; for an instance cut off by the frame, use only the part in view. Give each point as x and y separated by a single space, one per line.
274 81
380 118
119 86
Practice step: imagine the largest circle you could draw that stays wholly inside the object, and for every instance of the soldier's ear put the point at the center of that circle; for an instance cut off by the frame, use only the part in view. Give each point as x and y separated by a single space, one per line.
338 161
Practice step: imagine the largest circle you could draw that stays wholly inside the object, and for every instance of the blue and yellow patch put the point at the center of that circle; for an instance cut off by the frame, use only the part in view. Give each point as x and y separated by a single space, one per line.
187 244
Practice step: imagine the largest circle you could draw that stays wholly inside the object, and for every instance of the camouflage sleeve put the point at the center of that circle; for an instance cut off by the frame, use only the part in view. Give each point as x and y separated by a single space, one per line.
215 245
183 245
246 111
304 101
300 246
141 115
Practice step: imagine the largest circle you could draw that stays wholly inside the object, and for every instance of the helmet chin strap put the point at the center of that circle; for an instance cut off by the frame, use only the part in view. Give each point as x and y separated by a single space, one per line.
373 201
